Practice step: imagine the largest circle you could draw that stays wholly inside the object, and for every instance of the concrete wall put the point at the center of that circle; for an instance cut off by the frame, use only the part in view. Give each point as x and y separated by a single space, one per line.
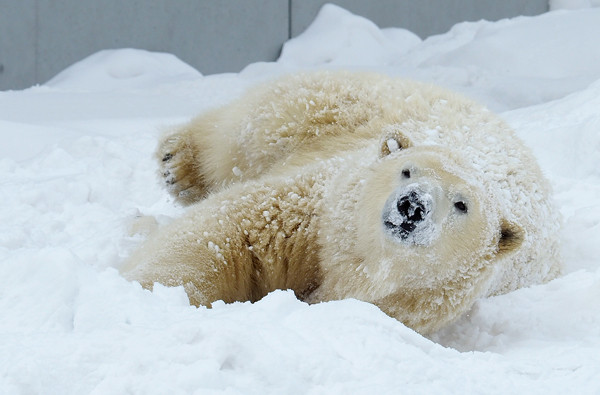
39 38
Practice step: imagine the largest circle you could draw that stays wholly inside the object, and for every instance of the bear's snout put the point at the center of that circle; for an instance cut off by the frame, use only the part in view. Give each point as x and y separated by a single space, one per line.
407 215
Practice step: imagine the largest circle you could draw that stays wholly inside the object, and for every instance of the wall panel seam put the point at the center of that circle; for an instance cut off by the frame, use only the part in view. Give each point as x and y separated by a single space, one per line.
289 19
36 41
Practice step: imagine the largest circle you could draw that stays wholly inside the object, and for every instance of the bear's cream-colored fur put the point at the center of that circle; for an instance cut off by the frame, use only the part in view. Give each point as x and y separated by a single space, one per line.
352 185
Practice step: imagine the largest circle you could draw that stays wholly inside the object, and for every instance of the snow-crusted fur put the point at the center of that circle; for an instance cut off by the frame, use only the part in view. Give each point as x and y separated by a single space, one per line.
340 185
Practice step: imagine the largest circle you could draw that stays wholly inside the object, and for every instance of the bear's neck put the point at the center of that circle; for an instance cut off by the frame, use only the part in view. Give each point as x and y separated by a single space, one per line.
339 257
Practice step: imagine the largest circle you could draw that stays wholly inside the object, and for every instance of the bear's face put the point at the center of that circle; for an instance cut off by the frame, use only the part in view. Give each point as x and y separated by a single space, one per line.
426 200
428 214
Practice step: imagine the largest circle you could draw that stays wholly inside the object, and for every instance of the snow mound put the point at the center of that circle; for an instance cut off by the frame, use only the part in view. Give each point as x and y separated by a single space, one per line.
337 37
523 56
507 64
123 69
517 62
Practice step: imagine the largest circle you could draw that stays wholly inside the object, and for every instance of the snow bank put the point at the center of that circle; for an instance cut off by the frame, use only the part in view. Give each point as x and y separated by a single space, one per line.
508 64
123 69
76 176
518 62
351 40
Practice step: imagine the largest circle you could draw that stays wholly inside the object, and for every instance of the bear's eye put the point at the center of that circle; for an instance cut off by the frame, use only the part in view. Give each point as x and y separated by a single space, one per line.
461 207
406 173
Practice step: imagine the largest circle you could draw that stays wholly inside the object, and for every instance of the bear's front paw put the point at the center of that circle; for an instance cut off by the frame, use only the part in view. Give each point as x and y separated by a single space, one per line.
179 168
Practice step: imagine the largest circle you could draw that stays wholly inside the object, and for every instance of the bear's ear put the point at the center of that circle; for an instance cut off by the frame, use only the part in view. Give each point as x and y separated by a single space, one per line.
393 142
511 237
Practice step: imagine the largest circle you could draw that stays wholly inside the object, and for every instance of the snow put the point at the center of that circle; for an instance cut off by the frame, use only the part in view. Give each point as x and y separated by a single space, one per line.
77 177
352 40
123 70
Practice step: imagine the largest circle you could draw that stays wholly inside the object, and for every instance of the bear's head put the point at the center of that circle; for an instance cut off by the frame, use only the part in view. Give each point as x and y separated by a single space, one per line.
429 231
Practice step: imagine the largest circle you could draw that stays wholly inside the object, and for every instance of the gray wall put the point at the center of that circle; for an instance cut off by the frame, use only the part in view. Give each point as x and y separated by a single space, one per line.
423 17
39 38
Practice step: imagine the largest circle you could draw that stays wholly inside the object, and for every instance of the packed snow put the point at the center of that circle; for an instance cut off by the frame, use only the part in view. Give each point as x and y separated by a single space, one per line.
77 174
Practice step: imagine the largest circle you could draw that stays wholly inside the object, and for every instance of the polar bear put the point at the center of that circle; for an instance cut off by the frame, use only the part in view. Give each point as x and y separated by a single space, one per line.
352 185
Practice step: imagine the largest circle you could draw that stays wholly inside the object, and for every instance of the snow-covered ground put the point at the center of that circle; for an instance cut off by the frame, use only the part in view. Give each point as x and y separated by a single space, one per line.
76 170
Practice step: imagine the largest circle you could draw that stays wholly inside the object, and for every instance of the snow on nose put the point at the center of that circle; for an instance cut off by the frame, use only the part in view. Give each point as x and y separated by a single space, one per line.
412 210
407 216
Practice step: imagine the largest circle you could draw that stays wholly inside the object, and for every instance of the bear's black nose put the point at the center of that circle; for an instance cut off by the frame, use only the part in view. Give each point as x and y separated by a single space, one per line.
412 211
408 214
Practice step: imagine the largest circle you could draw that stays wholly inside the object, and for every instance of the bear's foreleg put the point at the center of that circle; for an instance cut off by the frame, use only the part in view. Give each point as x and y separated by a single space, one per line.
237 245
199 254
